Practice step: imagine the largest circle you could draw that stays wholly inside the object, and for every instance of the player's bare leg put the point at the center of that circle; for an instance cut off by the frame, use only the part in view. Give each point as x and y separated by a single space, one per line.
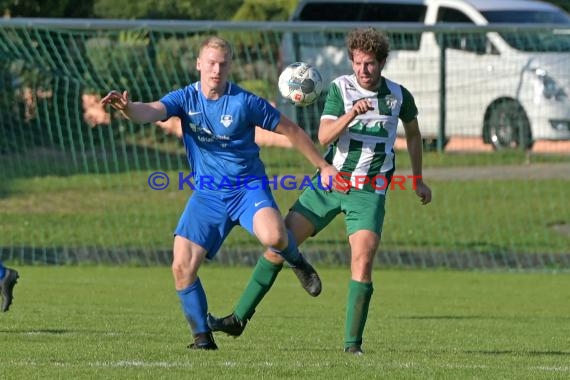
187 258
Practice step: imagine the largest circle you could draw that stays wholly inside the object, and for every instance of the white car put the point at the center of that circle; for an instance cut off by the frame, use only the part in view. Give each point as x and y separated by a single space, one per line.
509 86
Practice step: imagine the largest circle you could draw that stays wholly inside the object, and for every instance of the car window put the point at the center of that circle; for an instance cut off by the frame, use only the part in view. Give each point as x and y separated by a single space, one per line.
474 42
547 41
445 14
526 17
351 11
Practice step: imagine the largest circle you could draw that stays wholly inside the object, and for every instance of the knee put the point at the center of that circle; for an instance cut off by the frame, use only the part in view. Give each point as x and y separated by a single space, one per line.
185 266
361 268
184 275
276 240
180 270
186 261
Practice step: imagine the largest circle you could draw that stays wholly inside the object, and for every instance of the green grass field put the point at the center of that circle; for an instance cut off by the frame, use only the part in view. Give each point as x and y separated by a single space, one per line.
55 208
124 322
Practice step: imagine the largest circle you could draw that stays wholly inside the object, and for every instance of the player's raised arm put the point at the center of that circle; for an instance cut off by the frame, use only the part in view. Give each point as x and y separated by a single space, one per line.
330 129
138 112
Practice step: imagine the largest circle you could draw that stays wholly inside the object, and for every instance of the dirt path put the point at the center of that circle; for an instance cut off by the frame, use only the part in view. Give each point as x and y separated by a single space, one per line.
475 144
529 171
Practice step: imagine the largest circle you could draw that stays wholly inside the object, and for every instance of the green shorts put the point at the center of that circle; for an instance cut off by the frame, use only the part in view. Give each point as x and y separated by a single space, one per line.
363 210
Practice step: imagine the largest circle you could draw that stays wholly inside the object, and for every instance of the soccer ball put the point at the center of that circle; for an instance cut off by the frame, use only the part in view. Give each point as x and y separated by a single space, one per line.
300 84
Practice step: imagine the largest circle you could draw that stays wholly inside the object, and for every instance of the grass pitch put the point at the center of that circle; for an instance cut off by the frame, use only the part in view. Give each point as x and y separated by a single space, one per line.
125 322
46 205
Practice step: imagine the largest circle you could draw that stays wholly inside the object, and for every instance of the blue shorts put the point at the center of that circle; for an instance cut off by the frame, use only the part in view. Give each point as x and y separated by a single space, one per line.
209 216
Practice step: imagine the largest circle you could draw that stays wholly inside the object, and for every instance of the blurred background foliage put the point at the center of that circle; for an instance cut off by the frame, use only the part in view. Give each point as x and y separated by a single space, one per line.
242 10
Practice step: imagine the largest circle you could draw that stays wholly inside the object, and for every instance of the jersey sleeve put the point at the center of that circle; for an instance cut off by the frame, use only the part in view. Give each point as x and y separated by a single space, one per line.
262 113
173 101
408 111
334 104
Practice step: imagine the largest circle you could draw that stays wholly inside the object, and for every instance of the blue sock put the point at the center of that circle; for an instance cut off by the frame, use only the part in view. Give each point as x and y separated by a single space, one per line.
194 306
291 252
2 270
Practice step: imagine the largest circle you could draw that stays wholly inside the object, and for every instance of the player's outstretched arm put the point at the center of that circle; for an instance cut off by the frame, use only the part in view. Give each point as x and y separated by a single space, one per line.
138 112
414 142
302 142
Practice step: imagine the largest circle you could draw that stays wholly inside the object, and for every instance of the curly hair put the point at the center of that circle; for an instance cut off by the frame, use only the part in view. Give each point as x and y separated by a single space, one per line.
368 40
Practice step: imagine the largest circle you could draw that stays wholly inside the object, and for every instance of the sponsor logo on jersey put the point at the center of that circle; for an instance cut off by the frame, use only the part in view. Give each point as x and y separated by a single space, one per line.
226 120
350 87
391 101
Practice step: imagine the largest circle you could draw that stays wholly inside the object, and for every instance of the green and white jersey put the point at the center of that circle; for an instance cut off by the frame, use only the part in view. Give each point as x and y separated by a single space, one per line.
366 147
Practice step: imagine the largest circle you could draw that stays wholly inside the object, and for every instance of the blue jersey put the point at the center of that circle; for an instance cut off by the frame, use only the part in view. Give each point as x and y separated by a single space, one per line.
219 135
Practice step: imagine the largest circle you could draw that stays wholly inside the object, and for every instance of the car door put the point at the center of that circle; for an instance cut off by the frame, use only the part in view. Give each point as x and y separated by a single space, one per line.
476 74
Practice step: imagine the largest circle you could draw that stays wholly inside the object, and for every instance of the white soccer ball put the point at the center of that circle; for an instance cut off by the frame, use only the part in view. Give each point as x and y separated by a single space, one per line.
300 84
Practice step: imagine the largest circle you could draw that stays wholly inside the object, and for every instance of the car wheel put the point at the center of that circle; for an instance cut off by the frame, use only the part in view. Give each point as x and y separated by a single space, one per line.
508 127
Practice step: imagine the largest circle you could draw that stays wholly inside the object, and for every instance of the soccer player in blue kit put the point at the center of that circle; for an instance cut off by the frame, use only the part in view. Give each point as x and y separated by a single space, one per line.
218 124
8 279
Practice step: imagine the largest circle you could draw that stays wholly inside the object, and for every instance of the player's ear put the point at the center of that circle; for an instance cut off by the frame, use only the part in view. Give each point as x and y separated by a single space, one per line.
198 63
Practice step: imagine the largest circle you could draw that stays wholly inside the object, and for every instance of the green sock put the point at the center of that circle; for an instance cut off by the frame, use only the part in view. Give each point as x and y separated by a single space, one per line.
261 280
359 294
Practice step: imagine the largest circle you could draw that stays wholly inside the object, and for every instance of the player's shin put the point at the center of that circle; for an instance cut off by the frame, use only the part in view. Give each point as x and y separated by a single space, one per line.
359 295
261 280
194 306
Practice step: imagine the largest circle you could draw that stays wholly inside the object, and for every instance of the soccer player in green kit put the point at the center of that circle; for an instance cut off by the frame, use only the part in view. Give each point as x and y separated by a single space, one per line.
358 123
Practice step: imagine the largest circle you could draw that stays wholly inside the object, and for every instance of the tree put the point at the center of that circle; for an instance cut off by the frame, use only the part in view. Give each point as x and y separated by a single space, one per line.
47 8
261 10
167 9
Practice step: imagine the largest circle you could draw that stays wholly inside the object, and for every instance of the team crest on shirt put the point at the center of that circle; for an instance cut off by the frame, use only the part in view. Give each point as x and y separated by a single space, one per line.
226 120
391 101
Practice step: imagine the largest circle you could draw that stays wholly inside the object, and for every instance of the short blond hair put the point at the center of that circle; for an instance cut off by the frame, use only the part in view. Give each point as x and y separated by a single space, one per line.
217 43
